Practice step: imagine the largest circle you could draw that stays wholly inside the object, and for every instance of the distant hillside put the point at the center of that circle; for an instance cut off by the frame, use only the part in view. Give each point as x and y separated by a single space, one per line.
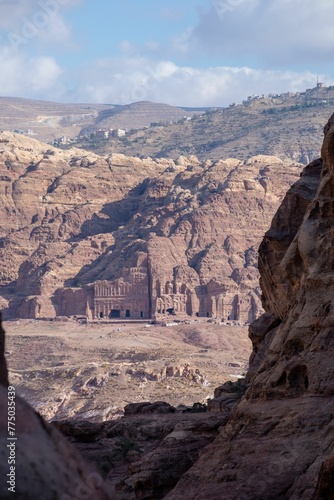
139 115
46 120
288 126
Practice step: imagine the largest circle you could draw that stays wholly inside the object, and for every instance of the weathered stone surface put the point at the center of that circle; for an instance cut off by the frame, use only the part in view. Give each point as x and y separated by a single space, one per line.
277 442
108 237
147 407
144 455
279 437
325 485
275 289
226 396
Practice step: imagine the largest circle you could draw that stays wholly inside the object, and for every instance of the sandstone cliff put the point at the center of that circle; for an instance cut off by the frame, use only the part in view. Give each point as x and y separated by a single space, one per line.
278 442
122 237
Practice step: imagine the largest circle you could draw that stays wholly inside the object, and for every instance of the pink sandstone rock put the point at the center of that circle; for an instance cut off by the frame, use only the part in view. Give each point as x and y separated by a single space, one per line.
130 238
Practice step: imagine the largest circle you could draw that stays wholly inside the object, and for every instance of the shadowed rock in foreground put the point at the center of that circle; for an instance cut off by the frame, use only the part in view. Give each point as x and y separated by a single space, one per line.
145 453
280 436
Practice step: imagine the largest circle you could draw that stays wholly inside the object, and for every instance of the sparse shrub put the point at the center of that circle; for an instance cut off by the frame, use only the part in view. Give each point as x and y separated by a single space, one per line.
125 445
196 408
125 141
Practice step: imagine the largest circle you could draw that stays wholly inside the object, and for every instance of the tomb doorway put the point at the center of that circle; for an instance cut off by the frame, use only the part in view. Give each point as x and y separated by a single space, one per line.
115 313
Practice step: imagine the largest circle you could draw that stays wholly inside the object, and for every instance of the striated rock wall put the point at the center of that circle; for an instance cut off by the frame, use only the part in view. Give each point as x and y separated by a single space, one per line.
177 232
278 442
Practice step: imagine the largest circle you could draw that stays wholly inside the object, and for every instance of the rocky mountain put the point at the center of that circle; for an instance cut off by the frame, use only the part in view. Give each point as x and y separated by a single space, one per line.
118 237
269 436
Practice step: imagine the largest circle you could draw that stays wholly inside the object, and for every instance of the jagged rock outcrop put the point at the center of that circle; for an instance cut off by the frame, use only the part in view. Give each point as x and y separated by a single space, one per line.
108 237
278 442
147 407
144 454
39 462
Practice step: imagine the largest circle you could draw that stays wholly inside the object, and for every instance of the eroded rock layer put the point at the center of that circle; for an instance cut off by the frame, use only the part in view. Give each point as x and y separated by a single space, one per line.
117 237
278 442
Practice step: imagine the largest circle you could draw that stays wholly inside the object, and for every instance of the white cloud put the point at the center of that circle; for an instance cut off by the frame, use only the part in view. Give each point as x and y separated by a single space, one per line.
23 21
152 45
276 32
126 46
184 42
39 76
171 14
125 80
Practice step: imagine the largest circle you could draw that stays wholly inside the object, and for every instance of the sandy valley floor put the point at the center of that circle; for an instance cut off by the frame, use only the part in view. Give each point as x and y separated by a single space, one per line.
93 370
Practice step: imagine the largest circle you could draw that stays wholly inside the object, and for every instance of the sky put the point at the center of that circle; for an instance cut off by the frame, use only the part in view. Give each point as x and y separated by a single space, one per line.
180 52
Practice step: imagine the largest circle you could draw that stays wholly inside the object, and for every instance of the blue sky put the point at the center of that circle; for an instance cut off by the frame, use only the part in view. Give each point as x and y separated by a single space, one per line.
190 53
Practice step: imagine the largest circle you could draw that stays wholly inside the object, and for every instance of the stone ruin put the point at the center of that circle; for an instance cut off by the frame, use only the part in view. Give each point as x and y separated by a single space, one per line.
135 295
126 298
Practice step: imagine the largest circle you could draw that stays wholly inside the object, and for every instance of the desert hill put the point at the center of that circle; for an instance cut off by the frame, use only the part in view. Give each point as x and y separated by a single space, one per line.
72 370
138 115
46 121
278 442
288 126
114 236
